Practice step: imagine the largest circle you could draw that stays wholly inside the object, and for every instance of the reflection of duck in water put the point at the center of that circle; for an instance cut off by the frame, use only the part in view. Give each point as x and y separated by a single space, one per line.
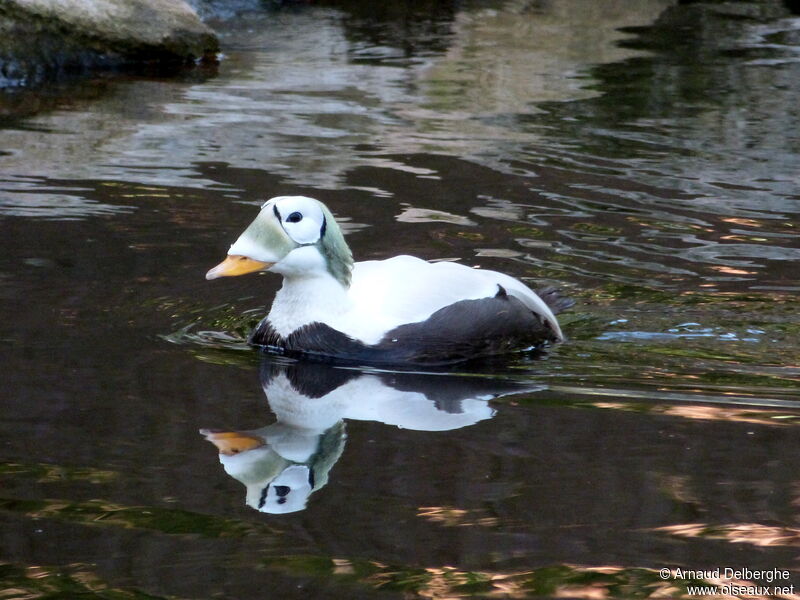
400 310
283 463
280 465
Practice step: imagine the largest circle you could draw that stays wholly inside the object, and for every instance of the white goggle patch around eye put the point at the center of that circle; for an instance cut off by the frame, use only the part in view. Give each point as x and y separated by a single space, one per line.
303 232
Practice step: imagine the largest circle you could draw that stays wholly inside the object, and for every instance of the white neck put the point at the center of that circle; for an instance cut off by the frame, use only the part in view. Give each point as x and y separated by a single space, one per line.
315 297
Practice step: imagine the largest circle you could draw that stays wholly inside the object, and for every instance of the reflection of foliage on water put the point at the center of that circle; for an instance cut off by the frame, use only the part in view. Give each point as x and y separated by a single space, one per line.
452 516
703 412
640 293
104 513
573 581
755 534
71 581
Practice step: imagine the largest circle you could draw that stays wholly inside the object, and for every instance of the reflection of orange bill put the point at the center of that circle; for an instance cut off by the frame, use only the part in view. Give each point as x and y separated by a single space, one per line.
232 442
237 265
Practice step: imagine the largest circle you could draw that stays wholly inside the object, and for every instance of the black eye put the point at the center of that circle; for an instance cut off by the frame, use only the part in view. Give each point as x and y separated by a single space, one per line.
295 217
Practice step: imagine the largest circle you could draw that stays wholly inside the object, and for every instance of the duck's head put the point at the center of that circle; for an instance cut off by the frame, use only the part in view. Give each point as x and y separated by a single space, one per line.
295 236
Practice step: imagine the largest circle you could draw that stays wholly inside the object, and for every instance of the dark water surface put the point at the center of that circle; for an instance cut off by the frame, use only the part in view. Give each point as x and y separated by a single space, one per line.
642 156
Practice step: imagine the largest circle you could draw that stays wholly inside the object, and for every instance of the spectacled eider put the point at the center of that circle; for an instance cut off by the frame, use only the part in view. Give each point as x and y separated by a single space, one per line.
402 310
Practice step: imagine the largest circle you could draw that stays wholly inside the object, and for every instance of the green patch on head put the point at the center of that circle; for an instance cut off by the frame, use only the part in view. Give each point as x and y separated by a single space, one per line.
335 250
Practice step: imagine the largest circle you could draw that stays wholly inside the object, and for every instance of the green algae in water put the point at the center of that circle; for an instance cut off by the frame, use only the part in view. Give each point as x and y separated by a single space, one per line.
47 473
546 581
104 513
70 582
216 335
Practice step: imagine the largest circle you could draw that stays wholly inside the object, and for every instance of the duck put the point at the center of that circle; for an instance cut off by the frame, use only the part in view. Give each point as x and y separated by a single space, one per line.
397 311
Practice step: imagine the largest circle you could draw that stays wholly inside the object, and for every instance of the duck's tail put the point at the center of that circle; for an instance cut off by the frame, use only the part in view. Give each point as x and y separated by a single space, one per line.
553 298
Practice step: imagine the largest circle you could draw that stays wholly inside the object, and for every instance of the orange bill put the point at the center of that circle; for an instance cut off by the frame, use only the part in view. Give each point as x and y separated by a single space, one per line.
237 265
232 442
